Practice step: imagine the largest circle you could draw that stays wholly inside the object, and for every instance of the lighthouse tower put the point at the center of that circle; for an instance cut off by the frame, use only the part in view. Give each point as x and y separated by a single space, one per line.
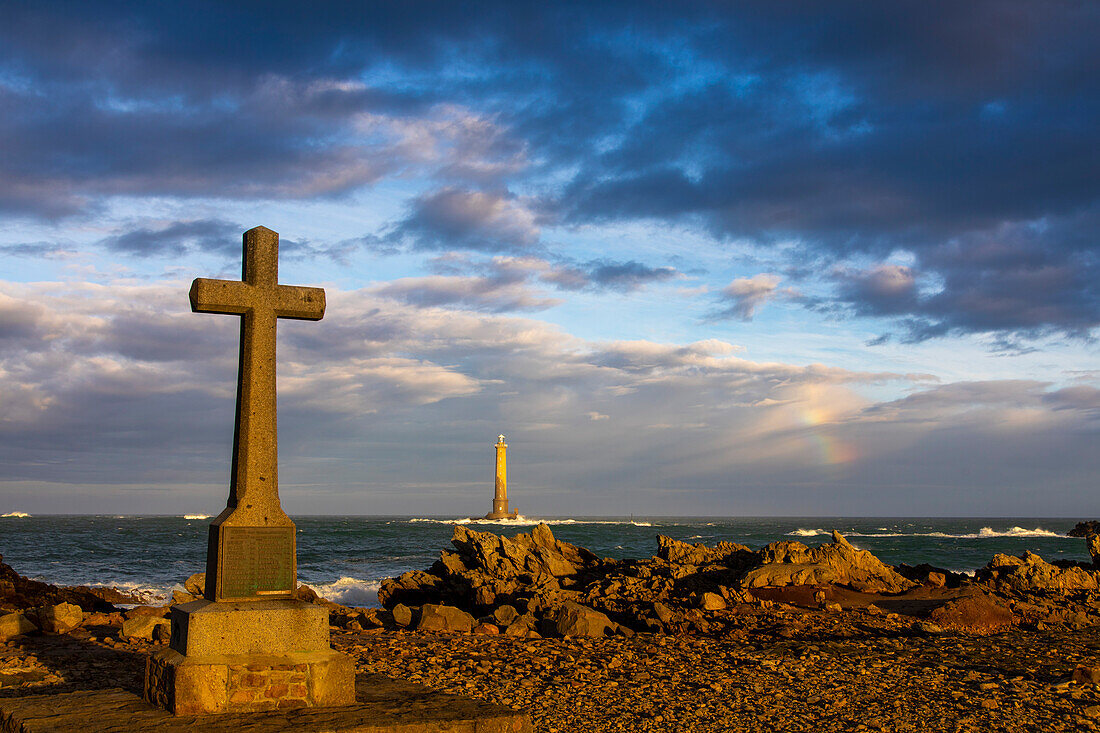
500 495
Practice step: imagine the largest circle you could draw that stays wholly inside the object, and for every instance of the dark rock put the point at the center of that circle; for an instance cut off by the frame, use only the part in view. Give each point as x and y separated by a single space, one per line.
17 592
1084 529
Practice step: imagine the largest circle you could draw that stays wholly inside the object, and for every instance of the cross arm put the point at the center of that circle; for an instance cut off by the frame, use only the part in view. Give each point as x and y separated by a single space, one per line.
295 301
220 296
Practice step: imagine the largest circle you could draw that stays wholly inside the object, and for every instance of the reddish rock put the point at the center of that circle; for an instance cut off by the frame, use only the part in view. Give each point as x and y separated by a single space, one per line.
978 614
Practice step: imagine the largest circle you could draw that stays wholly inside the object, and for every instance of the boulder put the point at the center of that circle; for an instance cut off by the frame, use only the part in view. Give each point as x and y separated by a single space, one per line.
196 584
142 627
17 592
411 588
435 617
1029 573
1092 542
15 624
976 613
402 615
1084 529
573 619
793 563
712 602
505 615
60 618
683 553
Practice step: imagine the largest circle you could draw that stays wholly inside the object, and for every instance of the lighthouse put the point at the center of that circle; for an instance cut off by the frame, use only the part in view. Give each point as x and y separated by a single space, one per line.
500 493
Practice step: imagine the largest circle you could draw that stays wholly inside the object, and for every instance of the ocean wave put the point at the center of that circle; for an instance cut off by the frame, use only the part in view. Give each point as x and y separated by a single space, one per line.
989 533
16 515
152 595
349 591
522 521
982 534
196 516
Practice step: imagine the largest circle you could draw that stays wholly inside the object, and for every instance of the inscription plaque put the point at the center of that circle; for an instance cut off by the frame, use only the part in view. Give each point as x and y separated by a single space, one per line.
257 562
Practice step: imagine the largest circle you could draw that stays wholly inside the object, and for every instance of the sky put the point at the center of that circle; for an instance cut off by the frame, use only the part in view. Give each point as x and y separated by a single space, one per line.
691 258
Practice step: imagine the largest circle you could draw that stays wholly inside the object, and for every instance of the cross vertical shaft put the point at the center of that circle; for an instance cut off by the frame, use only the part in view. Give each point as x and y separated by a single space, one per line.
253 503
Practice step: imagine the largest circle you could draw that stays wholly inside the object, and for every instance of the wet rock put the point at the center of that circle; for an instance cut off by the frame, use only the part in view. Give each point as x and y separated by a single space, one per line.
1084 529
436 617
1086 675
793 563
1093 544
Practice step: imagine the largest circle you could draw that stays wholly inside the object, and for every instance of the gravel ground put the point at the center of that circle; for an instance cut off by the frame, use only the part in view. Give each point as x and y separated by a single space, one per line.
860 677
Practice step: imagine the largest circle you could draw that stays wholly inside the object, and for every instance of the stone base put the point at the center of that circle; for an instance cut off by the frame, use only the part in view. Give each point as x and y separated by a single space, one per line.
248 683
384 706
514 514
248 656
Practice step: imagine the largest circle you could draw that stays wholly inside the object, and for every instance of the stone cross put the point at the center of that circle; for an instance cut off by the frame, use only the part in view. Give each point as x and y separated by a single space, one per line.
252 552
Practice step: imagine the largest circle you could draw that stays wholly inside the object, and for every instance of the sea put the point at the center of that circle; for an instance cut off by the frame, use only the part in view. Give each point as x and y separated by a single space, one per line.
346 558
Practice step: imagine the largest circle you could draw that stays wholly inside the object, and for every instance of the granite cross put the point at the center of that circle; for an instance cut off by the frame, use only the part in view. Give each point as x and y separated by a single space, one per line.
252 553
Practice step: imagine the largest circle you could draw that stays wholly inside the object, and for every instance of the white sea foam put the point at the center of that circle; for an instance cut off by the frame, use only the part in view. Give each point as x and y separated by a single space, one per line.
196 516
807 532
16 515
983 533
522 521
147 594
349 591
986 533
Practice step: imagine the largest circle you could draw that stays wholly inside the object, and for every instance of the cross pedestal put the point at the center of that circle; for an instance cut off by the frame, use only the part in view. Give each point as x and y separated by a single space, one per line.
249 645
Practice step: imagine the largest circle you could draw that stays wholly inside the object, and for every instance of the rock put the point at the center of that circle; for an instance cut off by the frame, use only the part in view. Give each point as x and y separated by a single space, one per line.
793 563
162 632
24 593
929 628
15 624
412 588
486 629
435 617
402 615
683 553
1084 529
937 580
505 615
1092 542
573 619
196 584
1086 675
141 627
136 611
663 612
1029 573
976 613
712 602
60 618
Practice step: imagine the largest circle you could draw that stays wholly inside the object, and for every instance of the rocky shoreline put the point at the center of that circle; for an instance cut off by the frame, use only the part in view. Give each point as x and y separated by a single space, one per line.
695 638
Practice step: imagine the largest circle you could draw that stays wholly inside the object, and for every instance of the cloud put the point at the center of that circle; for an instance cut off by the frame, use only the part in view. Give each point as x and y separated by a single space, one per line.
492 294
121 385
457 219
176 238
746 294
